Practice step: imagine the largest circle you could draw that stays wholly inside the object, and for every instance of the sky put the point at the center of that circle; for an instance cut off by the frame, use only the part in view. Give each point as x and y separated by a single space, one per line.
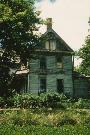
70 19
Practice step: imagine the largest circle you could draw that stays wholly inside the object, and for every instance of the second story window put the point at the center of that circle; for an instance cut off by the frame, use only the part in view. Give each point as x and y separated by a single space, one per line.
50 45
59 62
43 63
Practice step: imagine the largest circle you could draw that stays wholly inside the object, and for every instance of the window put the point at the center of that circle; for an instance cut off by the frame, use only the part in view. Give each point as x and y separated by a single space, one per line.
59 62
60 85
50 45
43 85
47 45
43 63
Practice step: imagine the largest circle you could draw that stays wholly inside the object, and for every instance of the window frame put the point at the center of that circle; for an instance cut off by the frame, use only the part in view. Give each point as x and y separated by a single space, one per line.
59 61
43 64
51 44
43 84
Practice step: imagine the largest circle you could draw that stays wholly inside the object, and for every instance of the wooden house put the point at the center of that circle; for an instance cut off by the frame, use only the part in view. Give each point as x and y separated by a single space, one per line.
53 70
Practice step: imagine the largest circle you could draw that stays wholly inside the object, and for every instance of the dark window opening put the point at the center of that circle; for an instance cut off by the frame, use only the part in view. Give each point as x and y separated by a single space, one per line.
59 62
19 83
60 85
42 85
42 63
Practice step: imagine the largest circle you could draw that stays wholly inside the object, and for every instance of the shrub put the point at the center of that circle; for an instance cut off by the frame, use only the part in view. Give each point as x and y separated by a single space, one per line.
46 100
66 121
24 120
87 121
51 100
82 104
26 101
2 102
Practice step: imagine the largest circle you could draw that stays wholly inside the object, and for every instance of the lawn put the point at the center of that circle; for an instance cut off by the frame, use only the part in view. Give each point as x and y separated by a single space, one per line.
47 114
45 121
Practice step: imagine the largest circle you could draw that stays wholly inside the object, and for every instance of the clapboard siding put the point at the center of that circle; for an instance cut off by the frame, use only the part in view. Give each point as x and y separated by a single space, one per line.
34 64
51 62
51 76
34 84
67 64
81 88
51 83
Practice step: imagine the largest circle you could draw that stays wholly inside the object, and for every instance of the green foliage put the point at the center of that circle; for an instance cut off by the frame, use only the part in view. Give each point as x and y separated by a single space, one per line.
18 26
44 100
1 102
24 118
52 100
26 101
87 121
48 100
82 104
84 54
39 130
67 121
29 122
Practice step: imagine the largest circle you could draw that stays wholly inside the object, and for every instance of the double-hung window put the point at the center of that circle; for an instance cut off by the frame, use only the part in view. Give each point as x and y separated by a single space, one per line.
50 45
59 62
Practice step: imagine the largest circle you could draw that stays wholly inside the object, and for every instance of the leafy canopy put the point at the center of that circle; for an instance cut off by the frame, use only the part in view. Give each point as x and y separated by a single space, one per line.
84 53
18 26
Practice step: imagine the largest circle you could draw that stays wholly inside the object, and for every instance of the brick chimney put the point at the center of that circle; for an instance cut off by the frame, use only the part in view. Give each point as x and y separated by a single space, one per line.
89 28
49 23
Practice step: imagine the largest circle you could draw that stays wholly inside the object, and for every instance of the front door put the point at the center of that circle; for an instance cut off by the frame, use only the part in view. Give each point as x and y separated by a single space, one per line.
60 85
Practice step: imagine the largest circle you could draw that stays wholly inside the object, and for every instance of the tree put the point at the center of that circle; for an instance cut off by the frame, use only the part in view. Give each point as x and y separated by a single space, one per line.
18 20
84 53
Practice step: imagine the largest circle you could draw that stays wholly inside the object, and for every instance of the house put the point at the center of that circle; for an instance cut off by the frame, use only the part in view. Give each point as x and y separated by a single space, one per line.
53 70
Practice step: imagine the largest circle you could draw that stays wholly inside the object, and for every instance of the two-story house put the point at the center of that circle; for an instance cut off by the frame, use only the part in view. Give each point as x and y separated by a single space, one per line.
53 70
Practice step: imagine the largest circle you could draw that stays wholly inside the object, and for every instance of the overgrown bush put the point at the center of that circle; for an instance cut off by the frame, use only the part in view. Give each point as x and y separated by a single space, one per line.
24 119
87 121
26 101
45 100
67 121
6 102
82 104
2 102
51 100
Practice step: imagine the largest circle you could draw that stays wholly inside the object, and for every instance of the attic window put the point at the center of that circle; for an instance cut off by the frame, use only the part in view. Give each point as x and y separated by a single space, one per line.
59 62
50 45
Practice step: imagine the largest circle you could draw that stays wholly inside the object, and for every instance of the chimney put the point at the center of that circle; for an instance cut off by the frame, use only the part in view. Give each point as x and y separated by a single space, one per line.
89 28
49 23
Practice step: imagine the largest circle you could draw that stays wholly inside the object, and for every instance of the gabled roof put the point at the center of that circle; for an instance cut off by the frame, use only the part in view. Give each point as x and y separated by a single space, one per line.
58 37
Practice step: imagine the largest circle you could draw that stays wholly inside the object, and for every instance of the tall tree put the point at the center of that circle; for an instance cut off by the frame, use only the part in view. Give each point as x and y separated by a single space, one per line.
84 53
18 20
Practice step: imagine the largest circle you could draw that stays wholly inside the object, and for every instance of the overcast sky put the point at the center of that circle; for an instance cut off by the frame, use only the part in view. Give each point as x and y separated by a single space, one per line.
70 19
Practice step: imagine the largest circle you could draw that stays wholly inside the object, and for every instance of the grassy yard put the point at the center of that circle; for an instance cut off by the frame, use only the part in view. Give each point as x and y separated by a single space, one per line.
45 121
47 114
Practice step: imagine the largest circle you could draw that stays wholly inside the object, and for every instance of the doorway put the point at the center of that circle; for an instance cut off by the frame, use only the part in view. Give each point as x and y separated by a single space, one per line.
42 85
60 86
